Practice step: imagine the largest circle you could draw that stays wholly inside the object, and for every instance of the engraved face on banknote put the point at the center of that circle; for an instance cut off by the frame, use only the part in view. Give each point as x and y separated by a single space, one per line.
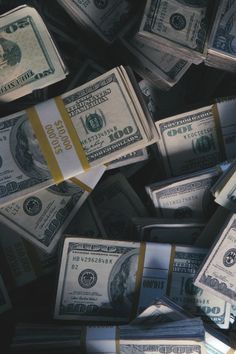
121 284
26 151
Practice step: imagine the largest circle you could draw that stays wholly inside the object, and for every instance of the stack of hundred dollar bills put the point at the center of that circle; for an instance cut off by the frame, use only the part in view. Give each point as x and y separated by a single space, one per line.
117 198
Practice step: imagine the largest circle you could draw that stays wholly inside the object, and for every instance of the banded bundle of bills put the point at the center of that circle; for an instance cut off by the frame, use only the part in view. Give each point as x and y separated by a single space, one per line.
177 27
29 59
61 138
224 189
217 273
105 18
41 218
198 139
161 230
113 281
160 68
161 328
5 303
221 51
187 196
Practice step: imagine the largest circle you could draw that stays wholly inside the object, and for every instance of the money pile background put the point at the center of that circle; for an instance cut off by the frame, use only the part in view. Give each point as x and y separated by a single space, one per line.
157 211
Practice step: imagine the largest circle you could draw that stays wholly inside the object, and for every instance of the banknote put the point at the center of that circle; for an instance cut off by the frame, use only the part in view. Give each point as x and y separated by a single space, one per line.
116 202
197 301
29 59
21 261
41 218
198 139
105 18
162 69
5 303
178 25
221 47
103 136
136 156
225 190
216 343
188 196
217 273
160 230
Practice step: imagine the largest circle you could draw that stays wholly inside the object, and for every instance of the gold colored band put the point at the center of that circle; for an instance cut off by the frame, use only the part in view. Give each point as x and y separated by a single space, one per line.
170 272
81 184
117 339
44 145
72 132
138 280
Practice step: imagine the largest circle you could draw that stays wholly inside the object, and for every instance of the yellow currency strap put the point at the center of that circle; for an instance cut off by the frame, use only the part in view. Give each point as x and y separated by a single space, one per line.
81 184
170 272
44 145
218 131
230 351
117 339
138 280
72 132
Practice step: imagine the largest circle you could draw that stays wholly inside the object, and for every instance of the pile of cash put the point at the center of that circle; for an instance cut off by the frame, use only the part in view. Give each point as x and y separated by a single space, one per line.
117 177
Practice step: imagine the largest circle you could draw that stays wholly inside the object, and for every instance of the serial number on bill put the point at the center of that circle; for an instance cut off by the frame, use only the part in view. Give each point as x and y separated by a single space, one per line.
90 260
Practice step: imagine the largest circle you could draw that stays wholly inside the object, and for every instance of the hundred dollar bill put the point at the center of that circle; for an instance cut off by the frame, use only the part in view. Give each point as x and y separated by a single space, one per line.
198 139
225 190
197 301
29 59
92 118
5 303
100 280
217 343
21 261
217 273
105 18
160 68
188 196
116 202
90 70
180 27
41 218
159 230
103 280
221 48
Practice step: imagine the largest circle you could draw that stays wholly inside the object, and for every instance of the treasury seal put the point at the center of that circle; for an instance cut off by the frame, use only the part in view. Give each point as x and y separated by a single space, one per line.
100 4
178 21
87 278
230 257
32 206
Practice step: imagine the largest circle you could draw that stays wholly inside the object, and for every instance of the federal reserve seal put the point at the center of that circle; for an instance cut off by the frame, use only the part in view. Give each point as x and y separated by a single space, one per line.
230 257
178 21
32 206
87 278
100 4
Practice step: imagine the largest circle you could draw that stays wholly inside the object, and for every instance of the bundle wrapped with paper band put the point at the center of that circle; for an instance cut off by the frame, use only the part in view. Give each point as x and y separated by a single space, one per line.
65 136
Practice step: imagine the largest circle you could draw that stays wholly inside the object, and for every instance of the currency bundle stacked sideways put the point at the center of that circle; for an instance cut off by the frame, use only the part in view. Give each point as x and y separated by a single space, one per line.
217 272
113 281
161 327
221 47
177 27
29 59
187 196
105 18
160 68
61 138
198 139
